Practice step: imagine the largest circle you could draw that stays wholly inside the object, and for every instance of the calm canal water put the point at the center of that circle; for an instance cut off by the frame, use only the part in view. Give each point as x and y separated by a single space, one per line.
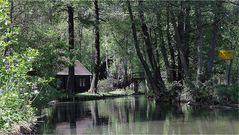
137 115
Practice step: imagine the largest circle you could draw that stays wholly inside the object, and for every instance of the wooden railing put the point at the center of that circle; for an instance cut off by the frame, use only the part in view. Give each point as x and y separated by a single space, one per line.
132 78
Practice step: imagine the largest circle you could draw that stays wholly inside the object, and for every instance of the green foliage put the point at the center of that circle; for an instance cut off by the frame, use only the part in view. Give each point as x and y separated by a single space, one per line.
203 92
228 94
211 92
16 86
44 27
13 110
14 70
52 50
4 23
16 89
105 85
174 89
45 95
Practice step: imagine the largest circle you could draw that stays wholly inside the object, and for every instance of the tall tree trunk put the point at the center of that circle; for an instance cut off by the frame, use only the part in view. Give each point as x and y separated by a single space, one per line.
106 63
186 33
94 82
146 38
180 71
179 38
213 45
157 78
228 76
71 78
228 72
171 49
125 64
163 49
125 61
140 55
80 40
199 43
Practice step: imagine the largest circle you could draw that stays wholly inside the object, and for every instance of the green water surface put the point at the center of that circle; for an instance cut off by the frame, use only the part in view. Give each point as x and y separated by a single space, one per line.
137 115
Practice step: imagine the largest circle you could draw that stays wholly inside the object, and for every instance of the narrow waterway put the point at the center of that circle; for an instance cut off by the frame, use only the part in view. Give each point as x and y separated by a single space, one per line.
136 115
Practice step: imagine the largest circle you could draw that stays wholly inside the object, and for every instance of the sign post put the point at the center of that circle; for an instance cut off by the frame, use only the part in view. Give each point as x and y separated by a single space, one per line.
227 55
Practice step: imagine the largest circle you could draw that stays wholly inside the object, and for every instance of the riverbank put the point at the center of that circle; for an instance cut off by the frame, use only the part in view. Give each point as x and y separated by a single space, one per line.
26 126
122 93
214 106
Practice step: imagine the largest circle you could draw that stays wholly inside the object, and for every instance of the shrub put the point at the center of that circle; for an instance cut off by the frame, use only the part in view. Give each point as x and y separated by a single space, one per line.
15 85
105 85
16 89
14 110
211 92
201 92
174 88
228 94
47 94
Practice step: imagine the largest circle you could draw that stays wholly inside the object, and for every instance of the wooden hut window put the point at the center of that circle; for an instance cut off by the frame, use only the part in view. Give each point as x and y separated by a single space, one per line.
82 82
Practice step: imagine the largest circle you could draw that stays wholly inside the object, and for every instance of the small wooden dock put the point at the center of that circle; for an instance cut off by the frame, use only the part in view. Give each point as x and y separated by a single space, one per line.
136 78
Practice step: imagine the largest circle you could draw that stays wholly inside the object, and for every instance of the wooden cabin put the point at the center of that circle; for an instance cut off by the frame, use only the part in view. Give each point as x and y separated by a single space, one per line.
82 78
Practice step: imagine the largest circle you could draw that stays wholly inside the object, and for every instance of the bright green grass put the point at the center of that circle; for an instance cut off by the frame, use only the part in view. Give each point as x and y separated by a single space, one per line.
114 93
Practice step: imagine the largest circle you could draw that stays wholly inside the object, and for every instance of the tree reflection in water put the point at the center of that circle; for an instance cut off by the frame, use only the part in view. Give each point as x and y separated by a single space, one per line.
137 115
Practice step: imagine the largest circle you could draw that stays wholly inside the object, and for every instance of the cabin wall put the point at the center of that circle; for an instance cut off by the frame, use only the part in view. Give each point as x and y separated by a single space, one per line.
82 83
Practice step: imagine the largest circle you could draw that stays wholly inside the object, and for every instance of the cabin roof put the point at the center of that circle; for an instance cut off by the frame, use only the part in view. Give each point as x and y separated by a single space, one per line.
79 70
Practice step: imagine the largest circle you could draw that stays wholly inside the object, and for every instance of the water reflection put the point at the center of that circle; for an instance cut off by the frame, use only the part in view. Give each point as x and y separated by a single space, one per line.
137 115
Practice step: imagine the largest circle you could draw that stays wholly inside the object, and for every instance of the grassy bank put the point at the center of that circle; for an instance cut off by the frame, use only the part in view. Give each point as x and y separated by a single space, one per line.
100 95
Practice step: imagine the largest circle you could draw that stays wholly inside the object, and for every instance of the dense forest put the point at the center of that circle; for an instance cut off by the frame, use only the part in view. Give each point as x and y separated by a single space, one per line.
175 45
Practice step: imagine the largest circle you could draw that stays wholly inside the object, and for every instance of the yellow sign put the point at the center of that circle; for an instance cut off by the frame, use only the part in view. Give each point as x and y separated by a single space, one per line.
226 54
